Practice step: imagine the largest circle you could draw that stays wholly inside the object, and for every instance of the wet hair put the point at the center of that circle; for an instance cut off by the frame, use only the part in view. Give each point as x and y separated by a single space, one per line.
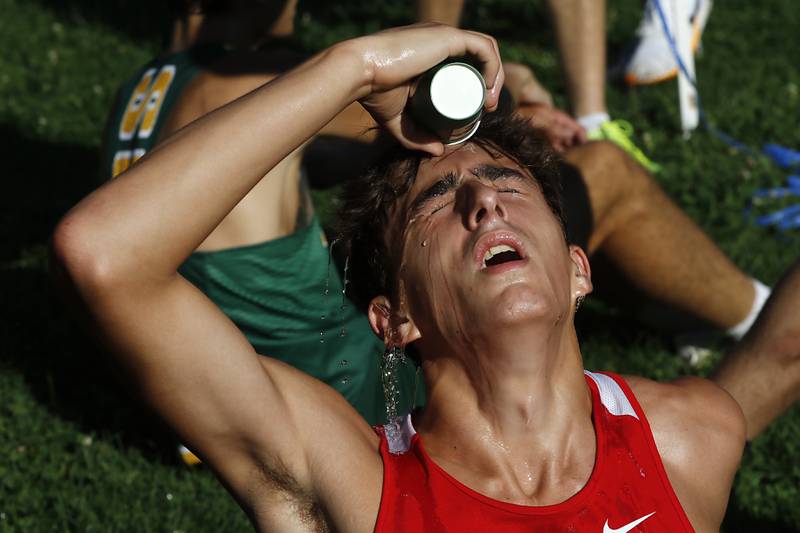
368 202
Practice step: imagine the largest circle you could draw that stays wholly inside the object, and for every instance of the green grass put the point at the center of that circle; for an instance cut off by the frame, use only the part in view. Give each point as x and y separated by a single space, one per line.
77 453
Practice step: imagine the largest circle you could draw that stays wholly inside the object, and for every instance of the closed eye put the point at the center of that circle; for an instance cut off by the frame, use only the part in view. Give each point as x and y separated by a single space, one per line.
442 188
440 206
448 183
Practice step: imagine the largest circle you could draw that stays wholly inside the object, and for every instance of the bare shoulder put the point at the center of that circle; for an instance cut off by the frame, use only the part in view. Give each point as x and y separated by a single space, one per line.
207 92
226 79
686 400
692 418
699 430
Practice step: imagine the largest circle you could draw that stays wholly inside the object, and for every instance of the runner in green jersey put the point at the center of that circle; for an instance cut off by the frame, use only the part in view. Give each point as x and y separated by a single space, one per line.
277 283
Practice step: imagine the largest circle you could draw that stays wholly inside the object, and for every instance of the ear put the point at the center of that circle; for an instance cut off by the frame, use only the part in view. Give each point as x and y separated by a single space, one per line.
394 328
582 278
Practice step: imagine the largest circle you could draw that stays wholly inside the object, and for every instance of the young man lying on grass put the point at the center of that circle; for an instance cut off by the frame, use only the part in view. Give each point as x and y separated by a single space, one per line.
461 252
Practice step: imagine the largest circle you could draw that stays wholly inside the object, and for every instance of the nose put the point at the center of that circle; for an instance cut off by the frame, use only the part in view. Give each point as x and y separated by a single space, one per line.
482 202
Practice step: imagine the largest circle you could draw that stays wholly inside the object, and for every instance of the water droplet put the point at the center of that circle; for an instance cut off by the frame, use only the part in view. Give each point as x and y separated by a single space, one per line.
345 281
328 272
322 317
342 332
392 359
344 362
424 244
345 380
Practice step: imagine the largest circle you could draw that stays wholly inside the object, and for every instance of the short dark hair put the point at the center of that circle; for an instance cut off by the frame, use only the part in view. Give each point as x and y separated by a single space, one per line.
367 202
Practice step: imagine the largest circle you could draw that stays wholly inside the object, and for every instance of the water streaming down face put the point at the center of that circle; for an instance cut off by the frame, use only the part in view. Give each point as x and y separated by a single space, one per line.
392 359
395 357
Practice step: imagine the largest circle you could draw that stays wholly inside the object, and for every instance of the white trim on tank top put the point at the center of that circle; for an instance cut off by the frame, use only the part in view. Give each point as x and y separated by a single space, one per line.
612 397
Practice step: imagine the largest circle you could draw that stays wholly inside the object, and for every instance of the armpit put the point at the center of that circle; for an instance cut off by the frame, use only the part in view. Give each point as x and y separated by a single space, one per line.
283 502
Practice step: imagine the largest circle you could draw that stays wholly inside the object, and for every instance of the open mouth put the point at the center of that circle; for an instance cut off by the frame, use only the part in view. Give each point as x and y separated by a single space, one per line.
499 254
499 251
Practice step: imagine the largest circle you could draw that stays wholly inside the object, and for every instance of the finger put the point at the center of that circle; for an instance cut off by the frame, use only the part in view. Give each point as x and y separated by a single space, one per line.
414 137
494 93
556 143
533 93
570 141
486 50
574 124
562 133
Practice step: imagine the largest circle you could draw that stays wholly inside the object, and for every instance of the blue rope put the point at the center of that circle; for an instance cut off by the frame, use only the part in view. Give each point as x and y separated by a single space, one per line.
782 156
783 219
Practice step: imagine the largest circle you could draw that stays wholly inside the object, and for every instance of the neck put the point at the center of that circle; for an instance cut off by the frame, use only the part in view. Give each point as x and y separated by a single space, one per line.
508 399
508 375
185 32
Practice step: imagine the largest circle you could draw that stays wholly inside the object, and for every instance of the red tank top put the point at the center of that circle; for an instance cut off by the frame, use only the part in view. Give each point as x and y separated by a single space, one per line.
628 489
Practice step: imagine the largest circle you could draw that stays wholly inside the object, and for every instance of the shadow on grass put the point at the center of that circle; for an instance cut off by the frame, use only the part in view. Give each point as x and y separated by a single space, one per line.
139 19
63 370
738 520
43 180
636 311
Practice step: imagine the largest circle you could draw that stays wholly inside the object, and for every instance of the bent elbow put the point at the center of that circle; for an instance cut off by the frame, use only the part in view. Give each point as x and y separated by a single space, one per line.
76 259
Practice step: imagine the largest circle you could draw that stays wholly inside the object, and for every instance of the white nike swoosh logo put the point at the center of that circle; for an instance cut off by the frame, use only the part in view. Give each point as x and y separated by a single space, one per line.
626 527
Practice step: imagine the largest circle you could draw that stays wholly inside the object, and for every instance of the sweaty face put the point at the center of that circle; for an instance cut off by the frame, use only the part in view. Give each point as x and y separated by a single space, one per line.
481 250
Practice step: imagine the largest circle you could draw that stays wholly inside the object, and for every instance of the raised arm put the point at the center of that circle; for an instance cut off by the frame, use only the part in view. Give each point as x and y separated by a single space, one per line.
265 428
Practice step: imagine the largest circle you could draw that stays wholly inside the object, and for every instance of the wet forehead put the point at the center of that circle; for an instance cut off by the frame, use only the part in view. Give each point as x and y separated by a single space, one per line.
463 157
459 160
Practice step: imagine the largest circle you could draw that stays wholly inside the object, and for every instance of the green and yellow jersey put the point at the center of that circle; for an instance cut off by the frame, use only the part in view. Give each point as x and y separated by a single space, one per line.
285 294
143 103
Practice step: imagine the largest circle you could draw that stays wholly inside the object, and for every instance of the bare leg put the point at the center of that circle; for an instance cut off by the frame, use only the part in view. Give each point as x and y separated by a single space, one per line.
581 33
762 372
444 11
658 247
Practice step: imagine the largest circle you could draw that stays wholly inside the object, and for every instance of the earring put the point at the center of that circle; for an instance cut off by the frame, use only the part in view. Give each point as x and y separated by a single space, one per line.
392 358
579 301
